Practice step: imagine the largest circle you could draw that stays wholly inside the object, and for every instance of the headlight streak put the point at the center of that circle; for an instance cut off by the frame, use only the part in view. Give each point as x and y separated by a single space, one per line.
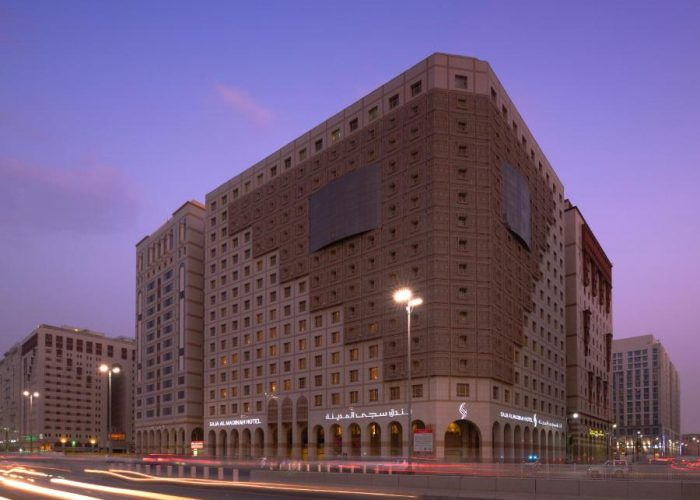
42 491
144 478
118 491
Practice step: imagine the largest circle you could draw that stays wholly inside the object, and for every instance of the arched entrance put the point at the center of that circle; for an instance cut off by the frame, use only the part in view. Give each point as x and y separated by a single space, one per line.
507 444
462 441
245 443
355 440
527 442
497 443
288 441
302 420
320 443
212 444
259 443
395 439
304 443
375 439
235 452
272 425
222 443
337 439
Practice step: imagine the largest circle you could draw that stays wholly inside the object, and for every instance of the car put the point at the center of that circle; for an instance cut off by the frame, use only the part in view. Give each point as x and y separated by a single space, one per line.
612 468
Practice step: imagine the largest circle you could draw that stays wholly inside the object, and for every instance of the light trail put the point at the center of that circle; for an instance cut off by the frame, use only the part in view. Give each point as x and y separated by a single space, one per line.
144 478
42 491
118 491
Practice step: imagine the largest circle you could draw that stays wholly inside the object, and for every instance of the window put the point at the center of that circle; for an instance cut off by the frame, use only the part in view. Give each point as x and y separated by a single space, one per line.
354 123
354 375
460 82
354 354
373 113
354 397
374 373
373 351
318 400
318 145
335 136
416 88
417 391
374 394
393 101
495 392
463 390
394 393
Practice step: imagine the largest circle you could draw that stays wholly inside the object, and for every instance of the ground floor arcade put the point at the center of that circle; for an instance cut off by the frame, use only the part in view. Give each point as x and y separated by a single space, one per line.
292 432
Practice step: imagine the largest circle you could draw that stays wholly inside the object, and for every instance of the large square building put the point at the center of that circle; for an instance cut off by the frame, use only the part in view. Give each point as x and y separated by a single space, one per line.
433 182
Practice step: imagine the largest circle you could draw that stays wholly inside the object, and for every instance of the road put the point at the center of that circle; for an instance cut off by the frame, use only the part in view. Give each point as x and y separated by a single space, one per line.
79 479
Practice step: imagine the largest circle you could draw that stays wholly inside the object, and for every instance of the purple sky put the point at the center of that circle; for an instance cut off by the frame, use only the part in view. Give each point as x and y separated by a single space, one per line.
113 114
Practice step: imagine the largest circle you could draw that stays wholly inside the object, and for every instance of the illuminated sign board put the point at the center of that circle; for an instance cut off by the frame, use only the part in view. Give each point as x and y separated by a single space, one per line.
532 419
118 436
596 433
354 415
234 422
197 445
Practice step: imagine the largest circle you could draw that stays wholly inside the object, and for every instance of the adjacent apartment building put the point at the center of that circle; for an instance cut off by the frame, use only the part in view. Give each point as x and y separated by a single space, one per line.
588 341
434 182
169 323
54 396
646 398
10 388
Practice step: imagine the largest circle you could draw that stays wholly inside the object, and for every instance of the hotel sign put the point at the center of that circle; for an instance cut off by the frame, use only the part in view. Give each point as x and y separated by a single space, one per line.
353 415
234 422
532 419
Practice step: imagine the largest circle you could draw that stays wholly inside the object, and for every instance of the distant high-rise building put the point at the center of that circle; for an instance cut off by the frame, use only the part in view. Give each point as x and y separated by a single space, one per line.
61 394
10 399
588 341
169 322
432 182
646 398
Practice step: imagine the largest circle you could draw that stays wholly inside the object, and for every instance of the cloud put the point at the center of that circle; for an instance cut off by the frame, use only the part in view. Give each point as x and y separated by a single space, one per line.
245 105
94 199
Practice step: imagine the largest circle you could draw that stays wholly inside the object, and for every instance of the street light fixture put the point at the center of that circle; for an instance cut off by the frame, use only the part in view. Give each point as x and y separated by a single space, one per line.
109 371
31 396
405 296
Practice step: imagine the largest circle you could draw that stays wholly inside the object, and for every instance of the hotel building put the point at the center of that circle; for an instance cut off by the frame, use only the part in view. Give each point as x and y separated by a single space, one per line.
169 309
69 406
434 182
588 341
646 398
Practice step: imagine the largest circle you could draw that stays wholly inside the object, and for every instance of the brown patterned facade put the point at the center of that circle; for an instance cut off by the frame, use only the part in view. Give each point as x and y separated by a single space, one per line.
317 334
441 232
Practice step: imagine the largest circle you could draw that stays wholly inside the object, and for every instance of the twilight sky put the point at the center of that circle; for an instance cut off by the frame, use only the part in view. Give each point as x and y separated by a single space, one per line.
113 114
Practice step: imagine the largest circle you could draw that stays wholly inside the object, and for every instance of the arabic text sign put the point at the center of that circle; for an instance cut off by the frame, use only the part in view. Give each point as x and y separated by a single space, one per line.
353 415
531 419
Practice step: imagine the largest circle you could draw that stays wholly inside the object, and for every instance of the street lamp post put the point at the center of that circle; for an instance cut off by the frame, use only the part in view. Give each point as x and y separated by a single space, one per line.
31 396
573 442
106 369
613 440
405 296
